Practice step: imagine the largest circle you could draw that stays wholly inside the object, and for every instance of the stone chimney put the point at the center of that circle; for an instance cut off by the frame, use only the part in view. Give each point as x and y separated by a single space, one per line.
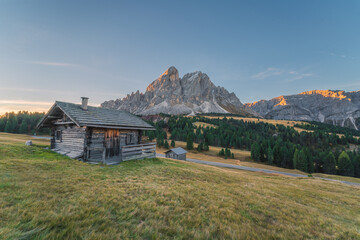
84 103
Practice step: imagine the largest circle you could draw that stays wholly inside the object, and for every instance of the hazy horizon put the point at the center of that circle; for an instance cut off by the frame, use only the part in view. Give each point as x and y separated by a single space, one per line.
258 50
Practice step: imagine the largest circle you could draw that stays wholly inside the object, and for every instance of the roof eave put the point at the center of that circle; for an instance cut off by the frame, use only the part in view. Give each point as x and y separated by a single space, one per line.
118 127
67 114
40 124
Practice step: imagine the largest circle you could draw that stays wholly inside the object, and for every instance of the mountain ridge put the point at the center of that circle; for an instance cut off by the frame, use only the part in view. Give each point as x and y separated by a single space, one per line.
193 93
336 107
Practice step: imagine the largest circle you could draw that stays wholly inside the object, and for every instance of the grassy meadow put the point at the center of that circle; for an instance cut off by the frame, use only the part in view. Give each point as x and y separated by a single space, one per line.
44 195
286 123
242 158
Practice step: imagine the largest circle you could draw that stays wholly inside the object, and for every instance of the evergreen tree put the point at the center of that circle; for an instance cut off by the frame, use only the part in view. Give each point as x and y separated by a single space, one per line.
166 144
329 165
200 147
2 124
296 157
222 152
255 152
23 127
160 141
345 166
300 161
172 143
10 126
356 164
150 135
189 142
227 152
270 155
206 147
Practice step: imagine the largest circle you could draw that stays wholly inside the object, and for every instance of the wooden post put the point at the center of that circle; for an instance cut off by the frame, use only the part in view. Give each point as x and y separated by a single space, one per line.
104 155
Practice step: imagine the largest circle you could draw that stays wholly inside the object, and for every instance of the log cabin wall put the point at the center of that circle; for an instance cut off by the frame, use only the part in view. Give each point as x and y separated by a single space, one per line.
95 144
110 141
70 141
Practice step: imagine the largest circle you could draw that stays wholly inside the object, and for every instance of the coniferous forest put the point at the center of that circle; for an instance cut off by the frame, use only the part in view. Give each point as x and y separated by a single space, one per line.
319 150
22 122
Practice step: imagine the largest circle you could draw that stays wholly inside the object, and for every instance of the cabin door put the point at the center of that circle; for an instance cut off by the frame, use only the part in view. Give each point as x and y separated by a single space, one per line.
112 145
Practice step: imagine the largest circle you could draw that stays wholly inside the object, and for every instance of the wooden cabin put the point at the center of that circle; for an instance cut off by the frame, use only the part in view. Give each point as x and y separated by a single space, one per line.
95 134
176 153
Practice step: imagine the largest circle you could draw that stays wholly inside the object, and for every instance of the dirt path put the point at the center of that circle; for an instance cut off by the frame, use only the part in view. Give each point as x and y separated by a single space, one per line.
217 164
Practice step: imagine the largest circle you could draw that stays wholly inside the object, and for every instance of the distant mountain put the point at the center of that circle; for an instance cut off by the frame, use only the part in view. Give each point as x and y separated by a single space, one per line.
335 107
193 93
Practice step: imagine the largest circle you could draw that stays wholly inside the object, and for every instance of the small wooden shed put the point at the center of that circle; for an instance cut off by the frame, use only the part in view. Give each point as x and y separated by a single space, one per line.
176 153
96 134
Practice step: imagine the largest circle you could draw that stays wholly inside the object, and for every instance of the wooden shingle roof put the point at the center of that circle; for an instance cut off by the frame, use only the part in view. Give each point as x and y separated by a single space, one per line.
98 117
177 150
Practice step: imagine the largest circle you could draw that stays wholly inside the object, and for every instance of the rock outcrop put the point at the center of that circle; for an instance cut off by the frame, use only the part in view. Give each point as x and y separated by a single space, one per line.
193 93
334 107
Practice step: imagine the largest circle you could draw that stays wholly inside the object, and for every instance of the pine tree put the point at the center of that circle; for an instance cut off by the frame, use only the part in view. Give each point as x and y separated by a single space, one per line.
356 164
151 135
200 147
2 124
255 152
329 165
345 166
10 126
300 161
206 146
23 127
189 142
166 144
221 152
270 155
296 157
227 152
172 143
160 141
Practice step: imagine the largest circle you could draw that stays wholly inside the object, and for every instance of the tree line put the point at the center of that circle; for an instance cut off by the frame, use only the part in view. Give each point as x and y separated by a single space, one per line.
317 151
23 122
312 125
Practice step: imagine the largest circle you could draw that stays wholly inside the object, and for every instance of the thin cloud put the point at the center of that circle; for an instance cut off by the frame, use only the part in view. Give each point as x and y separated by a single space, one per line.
342 56
23 102
269 72
298 77
289 75
55 64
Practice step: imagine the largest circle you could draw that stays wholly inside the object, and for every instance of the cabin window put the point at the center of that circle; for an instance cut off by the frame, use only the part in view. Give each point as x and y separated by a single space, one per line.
130 138
58 136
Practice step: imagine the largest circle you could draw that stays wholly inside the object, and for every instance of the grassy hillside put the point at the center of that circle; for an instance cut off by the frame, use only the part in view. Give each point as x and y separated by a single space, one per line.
243 158
286 123
47 196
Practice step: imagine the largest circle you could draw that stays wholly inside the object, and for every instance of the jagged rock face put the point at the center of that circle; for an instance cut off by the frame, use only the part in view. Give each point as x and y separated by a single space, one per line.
170 94
334 107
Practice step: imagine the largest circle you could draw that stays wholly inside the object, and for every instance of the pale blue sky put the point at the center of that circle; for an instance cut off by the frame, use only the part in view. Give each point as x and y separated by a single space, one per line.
61 50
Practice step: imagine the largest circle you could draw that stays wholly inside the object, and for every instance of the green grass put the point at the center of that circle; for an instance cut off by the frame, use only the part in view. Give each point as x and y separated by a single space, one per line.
47 196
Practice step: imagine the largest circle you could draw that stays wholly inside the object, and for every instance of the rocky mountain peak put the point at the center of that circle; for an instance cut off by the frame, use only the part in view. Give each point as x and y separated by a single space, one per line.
170 94
330 106
339 94
169 76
